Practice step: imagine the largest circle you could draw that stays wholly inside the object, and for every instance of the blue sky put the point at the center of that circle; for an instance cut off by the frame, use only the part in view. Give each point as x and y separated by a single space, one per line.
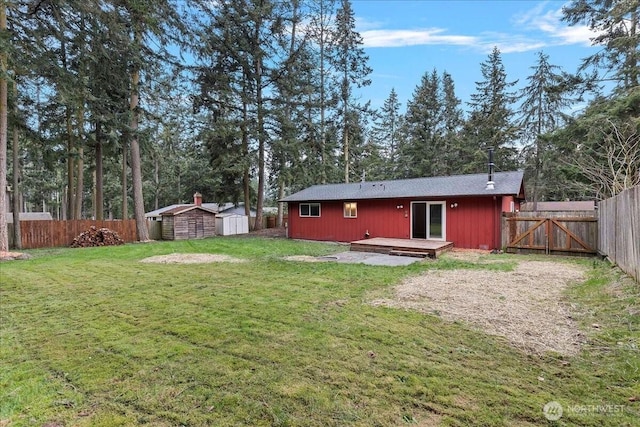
406 38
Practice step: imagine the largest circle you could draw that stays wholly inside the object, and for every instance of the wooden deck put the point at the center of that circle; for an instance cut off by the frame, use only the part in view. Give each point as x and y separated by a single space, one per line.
404 247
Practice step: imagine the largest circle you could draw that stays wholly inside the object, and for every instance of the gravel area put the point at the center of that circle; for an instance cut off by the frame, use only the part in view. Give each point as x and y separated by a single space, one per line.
11 256
526 306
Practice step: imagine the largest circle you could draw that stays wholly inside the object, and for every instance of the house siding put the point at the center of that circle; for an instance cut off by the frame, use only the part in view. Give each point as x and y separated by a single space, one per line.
474 223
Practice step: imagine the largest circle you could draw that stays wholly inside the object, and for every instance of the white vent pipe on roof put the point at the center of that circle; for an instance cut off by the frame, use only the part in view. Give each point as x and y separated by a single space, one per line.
490 182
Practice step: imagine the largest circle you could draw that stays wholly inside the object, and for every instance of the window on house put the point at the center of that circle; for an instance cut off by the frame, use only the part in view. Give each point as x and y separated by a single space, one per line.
310 209
351 210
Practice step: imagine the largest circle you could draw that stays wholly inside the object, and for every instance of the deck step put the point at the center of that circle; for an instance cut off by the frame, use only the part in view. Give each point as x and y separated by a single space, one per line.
402 247
400 252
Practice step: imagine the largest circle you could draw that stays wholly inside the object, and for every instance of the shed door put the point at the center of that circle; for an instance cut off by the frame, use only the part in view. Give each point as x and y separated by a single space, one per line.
428 220
196 227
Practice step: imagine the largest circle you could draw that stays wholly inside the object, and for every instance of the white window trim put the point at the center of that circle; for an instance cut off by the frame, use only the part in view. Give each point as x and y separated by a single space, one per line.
344 209
309 216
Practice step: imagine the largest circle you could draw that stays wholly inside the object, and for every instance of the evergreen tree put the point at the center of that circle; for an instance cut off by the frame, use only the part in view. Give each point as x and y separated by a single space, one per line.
293 88
542 109
598 153
145 22
320 31
421 151
616 24
386 136
452 120
244 40
365 155
490 122
4 234
351 67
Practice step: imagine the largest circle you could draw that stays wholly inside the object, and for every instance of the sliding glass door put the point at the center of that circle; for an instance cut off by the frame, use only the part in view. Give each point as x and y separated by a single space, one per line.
428 220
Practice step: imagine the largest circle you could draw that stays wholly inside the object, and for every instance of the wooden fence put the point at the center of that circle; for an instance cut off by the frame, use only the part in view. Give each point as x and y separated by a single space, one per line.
619 231
49 234
551 232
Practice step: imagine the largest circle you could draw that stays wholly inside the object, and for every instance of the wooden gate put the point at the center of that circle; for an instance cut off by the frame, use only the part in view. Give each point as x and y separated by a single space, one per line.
552 235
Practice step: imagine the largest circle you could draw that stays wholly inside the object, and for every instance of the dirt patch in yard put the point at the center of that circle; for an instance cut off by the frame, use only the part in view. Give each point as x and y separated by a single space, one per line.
526 306
11 256
190 259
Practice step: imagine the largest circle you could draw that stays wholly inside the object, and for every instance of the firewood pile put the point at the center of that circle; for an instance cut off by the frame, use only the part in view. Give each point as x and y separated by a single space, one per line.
97 237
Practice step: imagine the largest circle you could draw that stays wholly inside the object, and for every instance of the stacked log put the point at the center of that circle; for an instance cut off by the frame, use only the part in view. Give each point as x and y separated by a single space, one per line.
97 237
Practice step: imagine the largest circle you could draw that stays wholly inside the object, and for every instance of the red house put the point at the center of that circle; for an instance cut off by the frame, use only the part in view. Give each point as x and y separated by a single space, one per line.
463 209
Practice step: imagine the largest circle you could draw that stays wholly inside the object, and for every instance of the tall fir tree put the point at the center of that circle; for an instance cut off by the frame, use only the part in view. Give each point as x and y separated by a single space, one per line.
386 135
421 151
543 107
4 233
616 25
452 121
244 38
490 122
352 69
320 31
146 24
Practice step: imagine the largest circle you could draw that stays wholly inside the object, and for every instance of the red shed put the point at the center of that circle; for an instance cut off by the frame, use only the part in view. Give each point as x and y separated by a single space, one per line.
463 209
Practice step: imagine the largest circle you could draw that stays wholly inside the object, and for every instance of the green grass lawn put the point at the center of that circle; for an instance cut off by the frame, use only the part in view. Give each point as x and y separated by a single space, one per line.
93 337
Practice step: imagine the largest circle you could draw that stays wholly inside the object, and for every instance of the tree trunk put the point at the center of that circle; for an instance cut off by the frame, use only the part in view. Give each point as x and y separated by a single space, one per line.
156 181
17 234
323 138
4 232
79 184
346 149
345 137
288 115
261 144
80 166
246 179
125 193
71 188
99 190
280 219
136 163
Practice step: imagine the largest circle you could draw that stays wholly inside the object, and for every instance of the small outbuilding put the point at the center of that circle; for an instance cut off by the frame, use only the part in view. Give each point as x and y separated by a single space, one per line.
228 224
188 222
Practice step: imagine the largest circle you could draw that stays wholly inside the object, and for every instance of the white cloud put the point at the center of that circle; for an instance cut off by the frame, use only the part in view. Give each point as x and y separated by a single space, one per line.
534 30
485 42
399 38
550 24
509 43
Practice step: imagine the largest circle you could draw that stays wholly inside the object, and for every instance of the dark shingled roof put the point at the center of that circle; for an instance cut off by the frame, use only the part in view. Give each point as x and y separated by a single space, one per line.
181 209
506 183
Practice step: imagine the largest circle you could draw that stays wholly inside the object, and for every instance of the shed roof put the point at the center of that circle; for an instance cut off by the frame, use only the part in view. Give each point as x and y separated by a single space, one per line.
182 209
215 207
506 183
238 210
